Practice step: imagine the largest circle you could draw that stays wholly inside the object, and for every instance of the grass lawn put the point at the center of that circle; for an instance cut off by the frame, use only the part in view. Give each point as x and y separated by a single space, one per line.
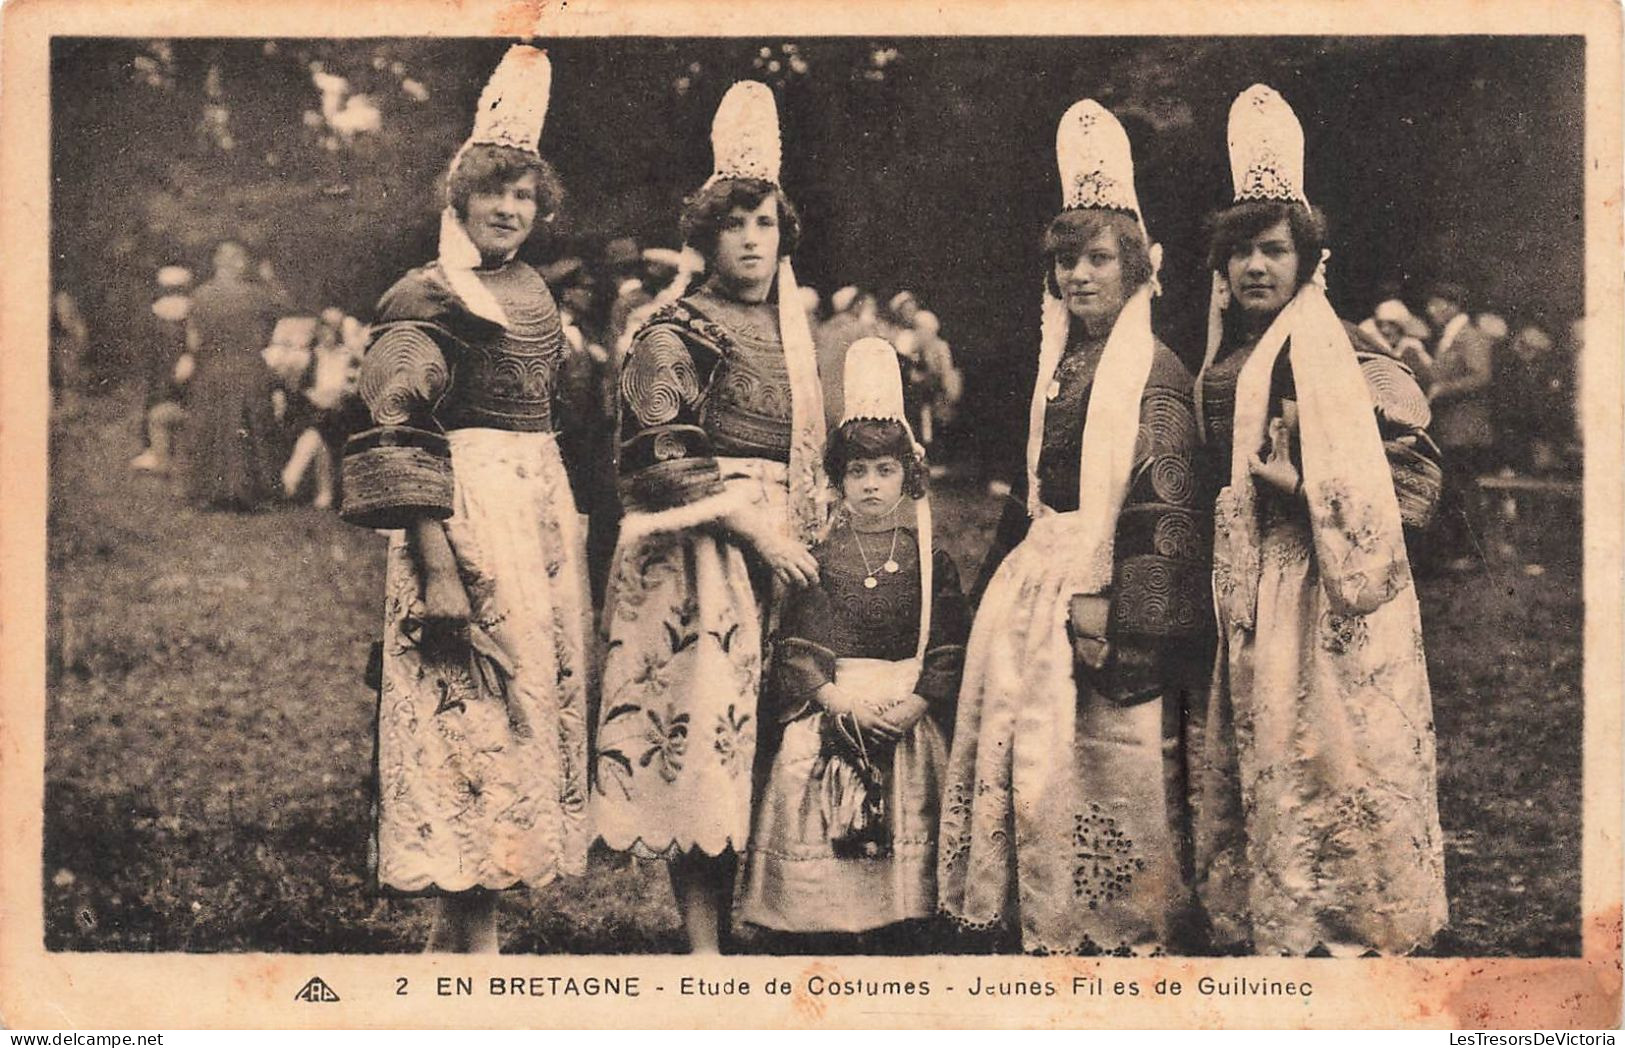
209 735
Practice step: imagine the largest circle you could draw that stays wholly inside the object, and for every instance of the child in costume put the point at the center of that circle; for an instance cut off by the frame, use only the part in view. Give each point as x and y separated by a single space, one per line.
867 671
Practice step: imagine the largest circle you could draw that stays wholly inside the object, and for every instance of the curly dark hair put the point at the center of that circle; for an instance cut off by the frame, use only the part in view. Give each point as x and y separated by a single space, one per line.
872 438
1240 223
705 212
1070 232
488 168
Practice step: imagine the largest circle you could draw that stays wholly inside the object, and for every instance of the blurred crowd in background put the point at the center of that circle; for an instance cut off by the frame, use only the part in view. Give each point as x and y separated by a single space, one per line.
248 395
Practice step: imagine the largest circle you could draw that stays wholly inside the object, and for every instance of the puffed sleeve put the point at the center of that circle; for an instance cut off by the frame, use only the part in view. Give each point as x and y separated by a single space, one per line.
944 661
804 660
1160 591
1403 415
399 470
669 480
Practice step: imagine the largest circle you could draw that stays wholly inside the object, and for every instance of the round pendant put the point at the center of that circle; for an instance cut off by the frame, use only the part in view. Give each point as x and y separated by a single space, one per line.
870 582
890 566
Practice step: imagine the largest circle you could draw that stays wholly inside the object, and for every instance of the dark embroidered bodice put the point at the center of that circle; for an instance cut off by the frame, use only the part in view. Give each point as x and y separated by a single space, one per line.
433 367
878 623
746 408
840 618
508 382
1160 558
1219 399
1063 423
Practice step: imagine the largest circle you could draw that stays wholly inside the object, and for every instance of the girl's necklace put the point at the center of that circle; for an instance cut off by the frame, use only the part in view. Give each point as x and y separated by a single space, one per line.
890 567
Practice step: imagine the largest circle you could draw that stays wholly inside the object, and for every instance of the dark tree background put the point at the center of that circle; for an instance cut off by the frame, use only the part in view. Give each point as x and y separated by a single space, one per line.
918 162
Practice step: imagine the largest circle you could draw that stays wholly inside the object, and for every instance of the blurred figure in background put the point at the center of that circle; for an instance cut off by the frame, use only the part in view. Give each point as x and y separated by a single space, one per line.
324 407
289 356
900 325
1392 325
1493 326
1463 363
900 311
563 275
623 263
852 316
940 383
1533 397
70 341
169 364
813 302
232 428
586 391
667 274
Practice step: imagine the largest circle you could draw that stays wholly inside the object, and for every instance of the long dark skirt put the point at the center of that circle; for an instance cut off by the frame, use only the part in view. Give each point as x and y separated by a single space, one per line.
234 442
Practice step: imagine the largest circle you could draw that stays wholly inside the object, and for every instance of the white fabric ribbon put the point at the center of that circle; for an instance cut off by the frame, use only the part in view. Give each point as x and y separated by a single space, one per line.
458 259
809 494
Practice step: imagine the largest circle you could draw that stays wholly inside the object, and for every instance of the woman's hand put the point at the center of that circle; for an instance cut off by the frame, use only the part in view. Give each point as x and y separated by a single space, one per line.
446 608
445 601
793 564
1088 615
905 714
1277 471
446 614
874 726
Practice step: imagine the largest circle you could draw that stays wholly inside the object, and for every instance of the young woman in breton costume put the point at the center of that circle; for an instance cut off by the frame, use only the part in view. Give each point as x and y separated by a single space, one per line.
1317 826
722 433
482 718
1058 819
864 682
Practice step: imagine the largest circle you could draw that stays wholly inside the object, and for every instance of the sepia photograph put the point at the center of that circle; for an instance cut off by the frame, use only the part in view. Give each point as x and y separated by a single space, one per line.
860 505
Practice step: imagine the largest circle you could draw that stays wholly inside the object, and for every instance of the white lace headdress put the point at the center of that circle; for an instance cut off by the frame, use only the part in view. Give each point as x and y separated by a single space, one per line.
1266 147
745 139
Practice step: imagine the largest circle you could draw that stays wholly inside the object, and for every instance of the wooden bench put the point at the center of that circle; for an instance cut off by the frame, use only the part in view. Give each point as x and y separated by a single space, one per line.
1530 519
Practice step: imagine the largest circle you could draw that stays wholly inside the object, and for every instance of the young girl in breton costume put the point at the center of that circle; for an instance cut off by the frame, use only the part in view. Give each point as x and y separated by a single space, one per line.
1317 826
722 432
1060 817
482 732
864 683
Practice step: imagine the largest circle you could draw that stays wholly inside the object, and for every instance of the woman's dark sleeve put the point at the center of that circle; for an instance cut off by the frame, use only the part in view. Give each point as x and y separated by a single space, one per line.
804 660
944 662
1161 592
666 461
399 470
